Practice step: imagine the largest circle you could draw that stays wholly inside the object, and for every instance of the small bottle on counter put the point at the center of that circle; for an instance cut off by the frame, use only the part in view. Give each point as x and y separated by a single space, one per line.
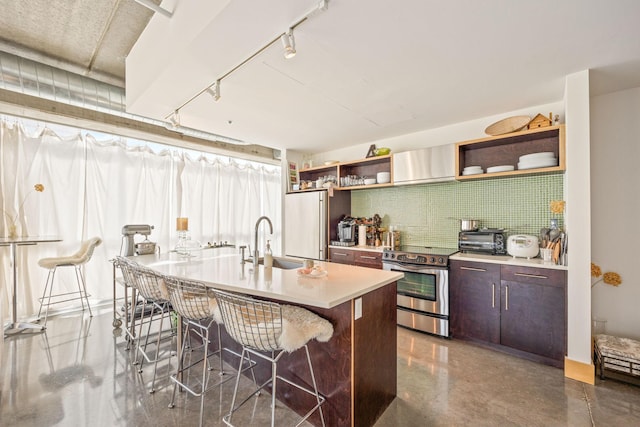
268 256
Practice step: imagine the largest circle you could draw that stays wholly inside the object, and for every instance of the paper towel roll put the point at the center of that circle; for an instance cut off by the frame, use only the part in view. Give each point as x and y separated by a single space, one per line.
362 235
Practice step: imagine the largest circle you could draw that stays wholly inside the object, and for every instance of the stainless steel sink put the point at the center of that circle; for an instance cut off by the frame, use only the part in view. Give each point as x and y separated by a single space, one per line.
284 263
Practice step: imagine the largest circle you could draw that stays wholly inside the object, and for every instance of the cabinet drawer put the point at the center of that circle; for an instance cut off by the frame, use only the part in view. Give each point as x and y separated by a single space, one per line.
341 256
532 275
475 271
368 259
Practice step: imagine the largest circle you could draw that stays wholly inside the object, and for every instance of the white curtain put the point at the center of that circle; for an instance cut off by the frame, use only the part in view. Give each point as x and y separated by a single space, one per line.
94 187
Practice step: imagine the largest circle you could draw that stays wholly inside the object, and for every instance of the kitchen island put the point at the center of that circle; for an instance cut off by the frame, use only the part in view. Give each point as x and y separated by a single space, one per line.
356 369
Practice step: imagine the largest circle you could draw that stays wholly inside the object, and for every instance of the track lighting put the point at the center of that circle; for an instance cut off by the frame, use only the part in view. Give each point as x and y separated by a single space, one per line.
174 120
289 44
214 90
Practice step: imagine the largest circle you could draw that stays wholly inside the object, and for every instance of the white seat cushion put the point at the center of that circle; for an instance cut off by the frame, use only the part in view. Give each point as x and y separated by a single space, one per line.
83 255
300 326
59 261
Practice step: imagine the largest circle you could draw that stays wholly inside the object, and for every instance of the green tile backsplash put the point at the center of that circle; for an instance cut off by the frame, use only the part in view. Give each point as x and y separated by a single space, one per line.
426 214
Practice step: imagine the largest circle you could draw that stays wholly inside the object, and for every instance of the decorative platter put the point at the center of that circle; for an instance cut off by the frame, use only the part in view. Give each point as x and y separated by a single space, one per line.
508 125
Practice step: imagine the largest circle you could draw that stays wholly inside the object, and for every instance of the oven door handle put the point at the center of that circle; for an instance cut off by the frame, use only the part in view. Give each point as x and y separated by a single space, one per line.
412 267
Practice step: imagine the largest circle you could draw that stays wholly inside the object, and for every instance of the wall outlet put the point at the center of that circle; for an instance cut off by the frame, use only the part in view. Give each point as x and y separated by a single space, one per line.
358 309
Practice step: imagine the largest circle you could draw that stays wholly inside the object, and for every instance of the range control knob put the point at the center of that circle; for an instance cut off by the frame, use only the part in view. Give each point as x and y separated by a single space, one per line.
432 260
441 261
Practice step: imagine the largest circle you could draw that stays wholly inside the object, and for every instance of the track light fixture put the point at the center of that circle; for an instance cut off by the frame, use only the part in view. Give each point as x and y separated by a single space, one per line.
174 120
214 90
289 44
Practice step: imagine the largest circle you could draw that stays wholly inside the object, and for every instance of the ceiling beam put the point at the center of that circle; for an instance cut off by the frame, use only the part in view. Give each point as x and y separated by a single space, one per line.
17 104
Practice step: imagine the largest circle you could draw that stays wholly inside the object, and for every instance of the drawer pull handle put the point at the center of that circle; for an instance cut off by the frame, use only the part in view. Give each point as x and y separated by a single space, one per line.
506 303
340 254
367 257
493 295
534 276
473 269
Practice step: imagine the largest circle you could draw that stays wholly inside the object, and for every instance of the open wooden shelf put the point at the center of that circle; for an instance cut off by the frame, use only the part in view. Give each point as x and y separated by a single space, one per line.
368 167
507 149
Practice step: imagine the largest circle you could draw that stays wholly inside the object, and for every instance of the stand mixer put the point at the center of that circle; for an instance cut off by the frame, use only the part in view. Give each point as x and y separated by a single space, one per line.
130 247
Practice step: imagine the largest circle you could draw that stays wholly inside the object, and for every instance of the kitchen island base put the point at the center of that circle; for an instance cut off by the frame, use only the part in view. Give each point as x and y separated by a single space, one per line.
356 370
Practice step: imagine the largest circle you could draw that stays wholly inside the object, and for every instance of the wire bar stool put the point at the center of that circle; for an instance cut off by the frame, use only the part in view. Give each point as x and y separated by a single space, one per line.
196 305
137 309
150 286
268 327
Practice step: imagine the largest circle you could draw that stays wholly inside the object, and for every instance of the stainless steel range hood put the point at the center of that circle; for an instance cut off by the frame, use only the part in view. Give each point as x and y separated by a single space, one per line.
432 164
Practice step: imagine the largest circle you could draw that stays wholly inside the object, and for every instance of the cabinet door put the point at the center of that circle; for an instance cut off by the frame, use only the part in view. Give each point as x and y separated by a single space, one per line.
533 317
475 300
368 259
341 256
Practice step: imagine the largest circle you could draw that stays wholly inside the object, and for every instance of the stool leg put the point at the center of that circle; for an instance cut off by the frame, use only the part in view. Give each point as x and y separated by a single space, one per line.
274 377
180 367
227 418
163 314
205 340
46 313
80 279
315 386
143 348
44 293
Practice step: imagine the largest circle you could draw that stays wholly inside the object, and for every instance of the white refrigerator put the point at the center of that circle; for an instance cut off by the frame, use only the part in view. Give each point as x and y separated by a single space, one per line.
306 225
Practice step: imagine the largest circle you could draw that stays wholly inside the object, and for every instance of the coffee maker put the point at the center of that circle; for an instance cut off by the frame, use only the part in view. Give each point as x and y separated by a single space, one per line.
347 232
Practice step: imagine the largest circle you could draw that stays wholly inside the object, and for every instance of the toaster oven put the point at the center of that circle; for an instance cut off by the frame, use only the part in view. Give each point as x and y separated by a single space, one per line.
486 241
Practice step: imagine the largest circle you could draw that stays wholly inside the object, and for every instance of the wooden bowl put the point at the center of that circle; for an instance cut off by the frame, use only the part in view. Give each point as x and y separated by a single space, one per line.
508 125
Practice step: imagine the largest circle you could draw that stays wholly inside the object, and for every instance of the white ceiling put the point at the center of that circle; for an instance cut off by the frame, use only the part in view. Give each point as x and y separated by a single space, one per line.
365 69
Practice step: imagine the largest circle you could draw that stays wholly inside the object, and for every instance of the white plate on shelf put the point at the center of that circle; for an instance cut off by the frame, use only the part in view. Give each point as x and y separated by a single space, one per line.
537 156
540 163
465 173
502 168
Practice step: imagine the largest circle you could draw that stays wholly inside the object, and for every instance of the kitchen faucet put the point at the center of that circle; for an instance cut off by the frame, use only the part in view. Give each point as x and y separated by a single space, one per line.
256 251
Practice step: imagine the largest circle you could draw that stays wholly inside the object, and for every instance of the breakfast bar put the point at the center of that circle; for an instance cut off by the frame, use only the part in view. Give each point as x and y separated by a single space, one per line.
356 368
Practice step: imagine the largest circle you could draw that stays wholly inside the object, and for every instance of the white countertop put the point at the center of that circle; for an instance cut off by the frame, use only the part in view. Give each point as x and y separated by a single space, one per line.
507 260
224 271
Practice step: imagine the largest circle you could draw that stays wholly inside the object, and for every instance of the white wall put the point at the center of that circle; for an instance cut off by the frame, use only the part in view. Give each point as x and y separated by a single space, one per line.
615 207
458 132
578 217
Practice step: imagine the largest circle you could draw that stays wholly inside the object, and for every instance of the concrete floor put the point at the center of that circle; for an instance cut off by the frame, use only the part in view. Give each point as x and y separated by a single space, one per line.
78 374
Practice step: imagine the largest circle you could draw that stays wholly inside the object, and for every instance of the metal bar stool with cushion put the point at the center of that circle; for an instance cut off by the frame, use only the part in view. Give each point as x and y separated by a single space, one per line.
198 309
76 260
149 286
261 326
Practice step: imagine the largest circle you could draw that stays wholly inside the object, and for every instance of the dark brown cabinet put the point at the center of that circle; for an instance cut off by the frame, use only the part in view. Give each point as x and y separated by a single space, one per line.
522 309
368 259
356 257
341 256
533 318
475 300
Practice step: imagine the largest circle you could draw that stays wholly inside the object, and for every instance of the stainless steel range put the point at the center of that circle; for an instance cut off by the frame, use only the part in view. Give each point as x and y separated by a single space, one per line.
423 293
